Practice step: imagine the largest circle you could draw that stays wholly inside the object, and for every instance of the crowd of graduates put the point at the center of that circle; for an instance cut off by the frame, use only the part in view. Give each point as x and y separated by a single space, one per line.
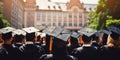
56 43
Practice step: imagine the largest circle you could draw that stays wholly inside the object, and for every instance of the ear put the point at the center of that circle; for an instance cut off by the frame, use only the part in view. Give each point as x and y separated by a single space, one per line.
23 40
36 36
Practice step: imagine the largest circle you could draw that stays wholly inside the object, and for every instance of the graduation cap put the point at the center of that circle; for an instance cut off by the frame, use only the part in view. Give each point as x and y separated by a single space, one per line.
31 33
61 40
7 32
88 35
105 35
57 31
59 44
19 34
115 32
48 30
48 34
31 29
66 32
74 37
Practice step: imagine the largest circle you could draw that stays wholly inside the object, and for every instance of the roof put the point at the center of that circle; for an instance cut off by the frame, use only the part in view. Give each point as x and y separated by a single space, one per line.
59 5
49 5
84 1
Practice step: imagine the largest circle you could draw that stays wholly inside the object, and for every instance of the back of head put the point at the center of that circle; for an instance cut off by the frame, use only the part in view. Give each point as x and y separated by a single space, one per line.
113 38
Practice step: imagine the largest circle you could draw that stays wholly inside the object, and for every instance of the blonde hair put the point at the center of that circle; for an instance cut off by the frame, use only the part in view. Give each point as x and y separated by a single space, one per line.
113 43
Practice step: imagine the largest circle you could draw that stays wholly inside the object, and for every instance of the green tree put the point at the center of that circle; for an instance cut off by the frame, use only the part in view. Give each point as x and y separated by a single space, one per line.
3 22
113 23
104 9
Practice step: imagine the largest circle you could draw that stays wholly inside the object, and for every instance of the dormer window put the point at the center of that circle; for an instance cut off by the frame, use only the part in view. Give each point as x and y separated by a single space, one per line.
48 7
90 9
84 9
37 7
49 0
59 7
54 7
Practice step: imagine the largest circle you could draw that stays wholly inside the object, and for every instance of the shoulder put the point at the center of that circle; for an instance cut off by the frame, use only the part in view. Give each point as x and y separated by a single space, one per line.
3 51
70 57
46 57
77 50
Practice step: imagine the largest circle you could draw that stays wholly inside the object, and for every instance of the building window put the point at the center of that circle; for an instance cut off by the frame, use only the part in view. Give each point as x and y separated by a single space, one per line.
54 24
38 18
75 15
48 7
70 24
70 15
65 15
80 15
59 15
43 14
54 15
38 14
59 24
65 24
59 7
80 24
48 15
90 9
75 24
54 7
84 9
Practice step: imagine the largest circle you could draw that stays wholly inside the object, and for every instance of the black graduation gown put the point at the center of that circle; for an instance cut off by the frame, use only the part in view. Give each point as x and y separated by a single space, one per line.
13 52
3 53
110 53
57 57
32 52
97 45
18 48
70 48
85 53
37 44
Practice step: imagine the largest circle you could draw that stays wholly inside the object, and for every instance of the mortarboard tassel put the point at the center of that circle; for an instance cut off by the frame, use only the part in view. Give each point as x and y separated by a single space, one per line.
50 48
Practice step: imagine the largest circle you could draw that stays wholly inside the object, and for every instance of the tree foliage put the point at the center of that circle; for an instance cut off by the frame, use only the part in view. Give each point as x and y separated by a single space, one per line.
104 9
3 22
113 23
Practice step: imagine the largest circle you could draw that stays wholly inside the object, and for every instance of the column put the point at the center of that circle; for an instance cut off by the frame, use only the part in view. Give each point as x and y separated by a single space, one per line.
57 18
25 19
67 19
46 18
51 18
35 19
78 20
83 19
72 19
62 23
